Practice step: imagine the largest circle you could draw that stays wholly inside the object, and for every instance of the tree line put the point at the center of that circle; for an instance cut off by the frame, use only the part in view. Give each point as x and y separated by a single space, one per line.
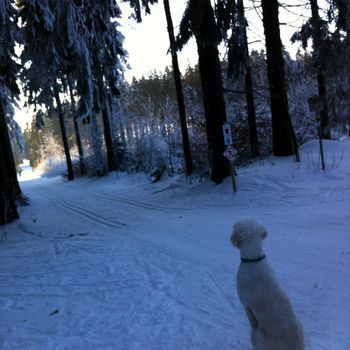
146 127
71 65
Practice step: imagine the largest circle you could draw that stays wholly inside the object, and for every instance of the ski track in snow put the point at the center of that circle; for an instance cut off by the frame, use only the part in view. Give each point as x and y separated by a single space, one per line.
84 212
71 251
137 204
112 265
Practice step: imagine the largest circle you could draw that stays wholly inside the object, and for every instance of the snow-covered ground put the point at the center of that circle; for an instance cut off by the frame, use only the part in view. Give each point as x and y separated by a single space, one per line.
119 263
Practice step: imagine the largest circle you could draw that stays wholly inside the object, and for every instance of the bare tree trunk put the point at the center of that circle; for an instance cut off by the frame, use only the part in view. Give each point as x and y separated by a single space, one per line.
9 187
205 30
283 137
253 133
8 210
77 133
179 91
321 78
64 135
111 159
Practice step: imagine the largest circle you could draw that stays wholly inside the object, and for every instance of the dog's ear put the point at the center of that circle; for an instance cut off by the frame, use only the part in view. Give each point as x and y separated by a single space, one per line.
235 240
262 232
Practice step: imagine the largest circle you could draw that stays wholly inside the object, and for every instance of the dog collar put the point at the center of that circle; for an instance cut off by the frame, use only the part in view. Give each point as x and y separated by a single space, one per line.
243 260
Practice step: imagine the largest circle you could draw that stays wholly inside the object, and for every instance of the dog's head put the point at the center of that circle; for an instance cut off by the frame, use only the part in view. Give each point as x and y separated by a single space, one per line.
247 230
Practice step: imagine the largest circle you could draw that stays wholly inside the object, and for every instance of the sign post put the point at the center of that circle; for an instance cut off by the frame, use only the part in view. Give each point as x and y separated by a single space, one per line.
230 153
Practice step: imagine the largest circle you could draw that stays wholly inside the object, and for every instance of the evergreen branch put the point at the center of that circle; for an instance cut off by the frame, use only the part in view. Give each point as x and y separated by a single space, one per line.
185 30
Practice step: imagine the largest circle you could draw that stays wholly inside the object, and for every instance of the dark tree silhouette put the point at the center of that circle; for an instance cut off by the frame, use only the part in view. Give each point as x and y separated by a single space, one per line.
231 17
9 188
82 165
179 91
199 20
283 136
104 43
253 132
42 62
317 25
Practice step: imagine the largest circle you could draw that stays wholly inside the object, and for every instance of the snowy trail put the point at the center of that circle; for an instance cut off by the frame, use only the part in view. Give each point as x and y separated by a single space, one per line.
99 264
119 263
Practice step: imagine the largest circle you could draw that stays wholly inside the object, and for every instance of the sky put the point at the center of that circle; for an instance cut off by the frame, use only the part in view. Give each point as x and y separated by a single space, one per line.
147 43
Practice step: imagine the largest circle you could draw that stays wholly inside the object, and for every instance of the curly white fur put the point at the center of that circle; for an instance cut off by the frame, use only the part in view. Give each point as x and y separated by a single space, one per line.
270 313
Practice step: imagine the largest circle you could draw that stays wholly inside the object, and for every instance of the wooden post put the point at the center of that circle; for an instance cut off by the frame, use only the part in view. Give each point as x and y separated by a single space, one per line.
233 173
230 152
318 118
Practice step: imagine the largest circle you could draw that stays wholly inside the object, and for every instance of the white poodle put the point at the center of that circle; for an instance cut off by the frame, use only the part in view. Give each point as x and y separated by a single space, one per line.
270 313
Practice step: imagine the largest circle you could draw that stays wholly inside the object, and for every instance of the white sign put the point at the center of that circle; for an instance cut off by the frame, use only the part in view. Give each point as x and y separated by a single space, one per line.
230 153
227 134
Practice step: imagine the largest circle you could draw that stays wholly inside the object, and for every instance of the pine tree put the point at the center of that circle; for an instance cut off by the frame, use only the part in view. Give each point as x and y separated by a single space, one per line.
199 20
319 29
179 91
106 53
339 14
43 65
253 132
9 187
283 137
331 43
138 5
231 17
71 41
82 165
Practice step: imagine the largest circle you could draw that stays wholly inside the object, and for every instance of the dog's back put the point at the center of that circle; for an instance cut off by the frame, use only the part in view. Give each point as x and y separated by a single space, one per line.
276 327
272 319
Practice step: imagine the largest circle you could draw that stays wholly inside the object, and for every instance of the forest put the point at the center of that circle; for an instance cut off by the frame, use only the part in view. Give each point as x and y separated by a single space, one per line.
67 58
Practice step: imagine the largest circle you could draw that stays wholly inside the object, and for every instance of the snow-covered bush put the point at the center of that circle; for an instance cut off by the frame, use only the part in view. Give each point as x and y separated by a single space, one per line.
301 85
